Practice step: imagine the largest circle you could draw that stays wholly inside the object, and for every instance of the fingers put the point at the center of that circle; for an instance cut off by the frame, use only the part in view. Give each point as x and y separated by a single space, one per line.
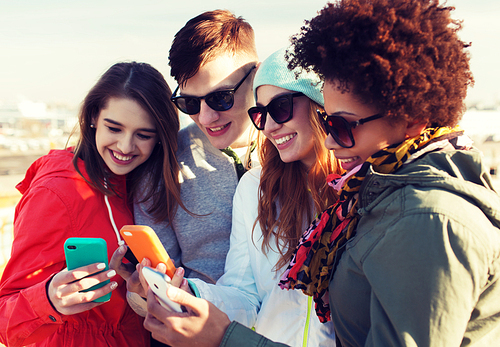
117 258
67 276
134 284
89 282
161 268
185 286
66 290
192 303
178 278
80 302
145 262
157 327
202 325
179 281
116 263
154 306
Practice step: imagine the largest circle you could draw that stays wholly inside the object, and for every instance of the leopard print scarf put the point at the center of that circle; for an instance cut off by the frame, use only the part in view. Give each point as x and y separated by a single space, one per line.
312 263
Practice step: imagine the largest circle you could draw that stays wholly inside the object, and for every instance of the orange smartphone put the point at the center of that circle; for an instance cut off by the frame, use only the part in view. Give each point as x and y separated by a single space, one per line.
144 243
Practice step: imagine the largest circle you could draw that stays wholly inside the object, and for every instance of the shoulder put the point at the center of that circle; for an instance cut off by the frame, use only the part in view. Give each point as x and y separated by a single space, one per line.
187 133
48 168
251 177
248 185
447 211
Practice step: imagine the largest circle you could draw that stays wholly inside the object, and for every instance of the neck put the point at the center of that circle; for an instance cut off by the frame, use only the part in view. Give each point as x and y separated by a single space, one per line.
245 139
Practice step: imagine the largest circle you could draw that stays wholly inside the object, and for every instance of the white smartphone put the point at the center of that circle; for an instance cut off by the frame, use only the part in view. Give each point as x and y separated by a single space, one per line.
159 284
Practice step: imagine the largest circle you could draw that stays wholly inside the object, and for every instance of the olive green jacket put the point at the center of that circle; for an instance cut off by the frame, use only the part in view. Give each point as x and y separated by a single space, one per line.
423 268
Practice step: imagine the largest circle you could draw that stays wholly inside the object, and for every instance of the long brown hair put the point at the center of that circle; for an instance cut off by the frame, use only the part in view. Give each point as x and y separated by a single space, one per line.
289 193
145 85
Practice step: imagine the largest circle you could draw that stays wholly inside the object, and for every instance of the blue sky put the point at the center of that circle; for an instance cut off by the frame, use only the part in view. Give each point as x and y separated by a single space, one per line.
54 50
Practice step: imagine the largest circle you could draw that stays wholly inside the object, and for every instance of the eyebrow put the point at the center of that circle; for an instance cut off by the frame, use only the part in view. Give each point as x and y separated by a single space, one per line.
120 124
224 87
340 113
218 89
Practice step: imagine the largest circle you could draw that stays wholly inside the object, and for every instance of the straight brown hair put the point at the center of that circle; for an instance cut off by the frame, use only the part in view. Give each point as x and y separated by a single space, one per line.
145 85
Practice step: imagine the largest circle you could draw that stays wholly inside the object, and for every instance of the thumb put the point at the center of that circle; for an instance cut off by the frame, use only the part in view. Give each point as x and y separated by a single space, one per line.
185 299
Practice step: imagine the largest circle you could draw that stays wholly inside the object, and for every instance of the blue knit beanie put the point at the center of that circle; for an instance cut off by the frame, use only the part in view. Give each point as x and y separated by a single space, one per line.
274 71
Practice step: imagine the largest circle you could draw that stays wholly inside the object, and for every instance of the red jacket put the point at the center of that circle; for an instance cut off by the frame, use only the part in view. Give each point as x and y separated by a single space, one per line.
56 204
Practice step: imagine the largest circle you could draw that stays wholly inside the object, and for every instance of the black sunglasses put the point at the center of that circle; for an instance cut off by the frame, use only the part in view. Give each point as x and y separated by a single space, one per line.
341 129
280 109
221 100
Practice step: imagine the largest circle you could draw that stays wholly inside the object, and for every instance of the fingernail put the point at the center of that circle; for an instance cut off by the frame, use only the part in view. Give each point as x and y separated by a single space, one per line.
112 273
184 282
123 249
179 271
113 285
144 262
101 266
172 292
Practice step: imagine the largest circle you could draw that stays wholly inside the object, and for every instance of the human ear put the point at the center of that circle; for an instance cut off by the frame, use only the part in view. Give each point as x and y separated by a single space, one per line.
414 129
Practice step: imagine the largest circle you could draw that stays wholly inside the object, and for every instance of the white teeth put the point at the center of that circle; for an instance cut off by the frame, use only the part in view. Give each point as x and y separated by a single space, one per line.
122 157
348 160
285 139
218 128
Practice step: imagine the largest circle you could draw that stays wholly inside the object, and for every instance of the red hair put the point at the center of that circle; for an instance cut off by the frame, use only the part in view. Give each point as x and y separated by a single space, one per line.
287 189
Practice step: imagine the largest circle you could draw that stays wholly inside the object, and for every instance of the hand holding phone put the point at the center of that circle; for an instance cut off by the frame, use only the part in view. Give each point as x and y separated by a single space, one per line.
81 251
144 243
159 284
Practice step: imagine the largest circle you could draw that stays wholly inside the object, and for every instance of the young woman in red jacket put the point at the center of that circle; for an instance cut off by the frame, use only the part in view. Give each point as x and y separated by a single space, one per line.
128 128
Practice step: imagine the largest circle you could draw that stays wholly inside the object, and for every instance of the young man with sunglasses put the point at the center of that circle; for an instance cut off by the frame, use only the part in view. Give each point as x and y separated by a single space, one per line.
213 59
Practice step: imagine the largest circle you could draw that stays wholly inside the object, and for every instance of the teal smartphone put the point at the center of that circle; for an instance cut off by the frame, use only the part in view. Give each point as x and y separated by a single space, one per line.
81 251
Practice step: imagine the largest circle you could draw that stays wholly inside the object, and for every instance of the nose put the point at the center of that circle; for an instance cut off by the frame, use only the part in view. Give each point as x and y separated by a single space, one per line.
207 116
126 144
330 143
270 126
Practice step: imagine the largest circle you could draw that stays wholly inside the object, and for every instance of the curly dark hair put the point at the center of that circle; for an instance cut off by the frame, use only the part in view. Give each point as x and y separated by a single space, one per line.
404 57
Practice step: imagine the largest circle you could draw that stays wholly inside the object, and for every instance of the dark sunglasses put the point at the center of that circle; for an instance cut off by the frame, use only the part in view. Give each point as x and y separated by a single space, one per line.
341 129
221 100
280 109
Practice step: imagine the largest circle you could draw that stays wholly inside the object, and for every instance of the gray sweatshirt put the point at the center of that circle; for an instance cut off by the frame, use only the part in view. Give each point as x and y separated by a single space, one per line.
208 182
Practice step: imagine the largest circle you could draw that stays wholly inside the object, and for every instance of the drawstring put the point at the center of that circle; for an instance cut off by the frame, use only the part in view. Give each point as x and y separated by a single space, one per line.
106 200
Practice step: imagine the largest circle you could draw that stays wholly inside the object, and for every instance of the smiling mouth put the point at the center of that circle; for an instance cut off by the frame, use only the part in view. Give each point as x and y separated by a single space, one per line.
285 139
219 128
348 160
122 157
